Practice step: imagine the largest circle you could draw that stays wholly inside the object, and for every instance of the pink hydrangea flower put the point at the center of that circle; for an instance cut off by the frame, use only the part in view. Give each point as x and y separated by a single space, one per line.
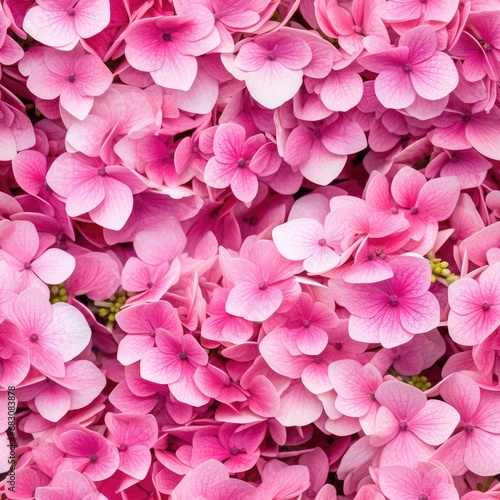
414 68
402 11
427 479
167 47
474 307
32 260
62 23
391 311
211 480
88 452
272 67
408 425
75 77
477 444
232 164
105 192
263 283
52 334
71 485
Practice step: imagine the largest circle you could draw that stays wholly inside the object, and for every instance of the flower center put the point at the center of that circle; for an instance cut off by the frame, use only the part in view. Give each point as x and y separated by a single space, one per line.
152 333
182 355
371 256
234 451
317 134
372 396
322 242
393 300
403 425
27 265
271 56
338 346
423 497
150 284
310 493
167 37
71 78
262 285
241 163
468 428
414 211
33 337
306 323
70 11
486 306
466 118
93 458
123 447
358 30
101 171
407 68
395 210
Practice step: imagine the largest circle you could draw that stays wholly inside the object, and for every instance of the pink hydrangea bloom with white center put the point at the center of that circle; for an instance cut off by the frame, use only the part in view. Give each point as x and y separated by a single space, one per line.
414 68
391 311
474 307
62 23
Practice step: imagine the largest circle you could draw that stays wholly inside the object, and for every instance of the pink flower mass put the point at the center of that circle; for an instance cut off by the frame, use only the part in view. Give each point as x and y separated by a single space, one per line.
249 250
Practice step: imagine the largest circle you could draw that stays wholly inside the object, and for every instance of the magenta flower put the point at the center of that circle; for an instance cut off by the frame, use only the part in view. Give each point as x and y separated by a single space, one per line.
88 452
34 264
390 312
272 67
134 436
74 77
263 283
105 192
477 446
52 334
232 163
426 480
408 425
474 307
62 23
167 47
414 68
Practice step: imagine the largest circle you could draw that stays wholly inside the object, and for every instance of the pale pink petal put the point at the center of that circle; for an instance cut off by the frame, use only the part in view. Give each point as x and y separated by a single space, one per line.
435 423
273 84
435 77
252 303
394 89
53 266
420 314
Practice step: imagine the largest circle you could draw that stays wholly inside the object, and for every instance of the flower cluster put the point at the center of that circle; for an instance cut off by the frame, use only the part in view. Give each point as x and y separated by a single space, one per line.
250 249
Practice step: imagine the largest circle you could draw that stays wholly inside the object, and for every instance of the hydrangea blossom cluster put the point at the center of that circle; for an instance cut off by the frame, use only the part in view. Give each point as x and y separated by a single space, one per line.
250 249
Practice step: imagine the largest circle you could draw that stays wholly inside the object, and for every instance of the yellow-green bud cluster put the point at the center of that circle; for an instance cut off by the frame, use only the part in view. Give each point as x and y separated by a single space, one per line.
109 308
58 293
420 382
440 270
